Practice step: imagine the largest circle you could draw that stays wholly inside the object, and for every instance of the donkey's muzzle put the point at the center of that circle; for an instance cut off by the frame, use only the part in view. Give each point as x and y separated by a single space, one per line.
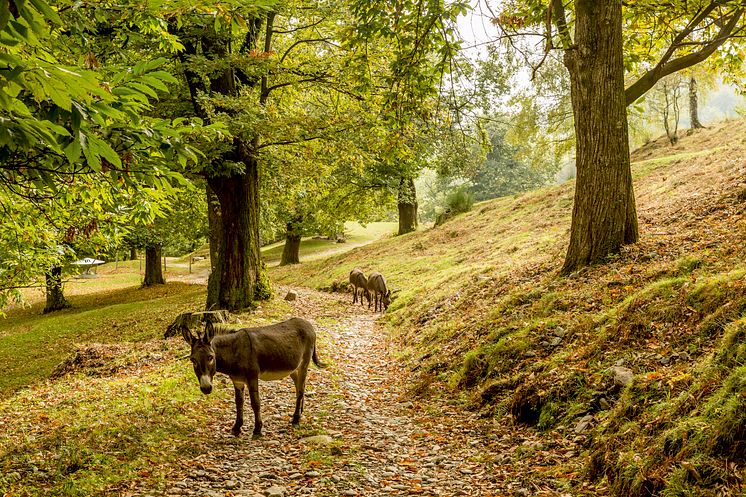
205 384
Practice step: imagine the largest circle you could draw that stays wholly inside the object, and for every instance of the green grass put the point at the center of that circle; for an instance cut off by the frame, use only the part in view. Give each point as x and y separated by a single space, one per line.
92 432
311 249
32 344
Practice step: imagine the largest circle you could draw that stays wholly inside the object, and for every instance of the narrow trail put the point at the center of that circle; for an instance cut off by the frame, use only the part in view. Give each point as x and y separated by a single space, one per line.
378 441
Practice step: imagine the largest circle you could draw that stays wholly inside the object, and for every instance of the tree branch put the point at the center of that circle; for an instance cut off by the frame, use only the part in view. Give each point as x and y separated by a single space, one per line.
264 94
664 68
310 40
289 83
299 28
560 20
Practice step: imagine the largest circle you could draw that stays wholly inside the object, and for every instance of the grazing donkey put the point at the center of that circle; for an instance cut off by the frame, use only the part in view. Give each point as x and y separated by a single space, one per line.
251 354
357 278
377 286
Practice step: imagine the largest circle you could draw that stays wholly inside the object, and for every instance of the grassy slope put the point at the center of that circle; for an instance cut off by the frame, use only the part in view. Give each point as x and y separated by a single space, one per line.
32 344
480 305
312 249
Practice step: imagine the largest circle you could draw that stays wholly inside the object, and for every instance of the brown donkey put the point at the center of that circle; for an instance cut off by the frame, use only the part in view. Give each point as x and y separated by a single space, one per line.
377 287
358 280
251 354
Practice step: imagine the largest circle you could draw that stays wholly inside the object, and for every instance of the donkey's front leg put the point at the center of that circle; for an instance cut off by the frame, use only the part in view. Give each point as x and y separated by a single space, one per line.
255 405
239 388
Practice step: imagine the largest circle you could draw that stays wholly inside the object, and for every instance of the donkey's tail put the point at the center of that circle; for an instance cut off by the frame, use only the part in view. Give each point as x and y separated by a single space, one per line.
316 360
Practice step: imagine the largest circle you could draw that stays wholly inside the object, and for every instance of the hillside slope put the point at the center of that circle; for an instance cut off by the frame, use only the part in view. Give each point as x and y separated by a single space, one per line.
482 314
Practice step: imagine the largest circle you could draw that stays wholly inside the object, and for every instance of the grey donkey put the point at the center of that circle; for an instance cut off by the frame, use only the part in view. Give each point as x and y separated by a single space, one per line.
251 354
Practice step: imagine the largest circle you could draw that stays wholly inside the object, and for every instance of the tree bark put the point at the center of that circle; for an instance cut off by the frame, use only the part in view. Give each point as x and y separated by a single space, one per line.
55 297
153 269
236 276
693 105
604 216
291 250
671 105
215 234
407 203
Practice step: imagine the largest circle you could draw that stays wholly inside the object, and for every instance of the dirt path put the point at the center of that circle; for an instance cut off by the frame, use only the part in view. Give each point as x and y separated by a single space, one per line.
375 441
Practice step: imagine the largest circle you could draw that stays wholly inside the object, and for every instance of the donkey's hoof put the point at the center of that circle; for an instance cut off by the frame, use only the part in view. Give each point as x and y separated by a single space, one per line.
295 421
256 436
236 432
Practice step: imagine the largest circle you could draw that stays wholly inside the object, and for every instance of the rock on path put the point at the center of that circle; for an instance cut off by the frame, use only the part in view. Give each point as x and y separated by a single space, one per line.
368 437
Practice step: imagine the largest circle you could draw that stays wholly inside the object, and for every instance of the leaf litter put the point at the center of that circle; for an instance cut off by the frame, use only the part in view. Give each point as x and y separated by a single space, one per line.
364 434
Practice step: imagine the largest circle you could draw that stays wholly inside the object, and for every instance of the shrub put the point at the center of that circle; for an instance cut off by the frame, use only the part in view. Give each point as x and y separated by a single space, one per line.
458 201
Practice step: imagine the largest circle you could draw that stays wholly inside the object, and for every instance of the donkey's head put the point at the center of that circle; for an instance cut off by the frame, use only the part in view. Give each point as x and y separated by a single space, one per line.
386 299
202 356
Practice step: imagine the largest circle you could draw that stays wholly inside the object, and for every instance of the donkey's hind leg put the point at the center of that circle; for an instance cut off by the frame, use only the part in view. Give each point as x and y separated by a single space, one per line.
299 378
255 406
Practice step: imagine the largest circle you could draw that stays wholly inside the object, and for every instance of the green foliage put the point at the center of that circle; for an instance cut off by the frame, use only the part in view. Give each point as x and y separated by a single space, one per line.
459 201
80 159
433 188
180 225
504 173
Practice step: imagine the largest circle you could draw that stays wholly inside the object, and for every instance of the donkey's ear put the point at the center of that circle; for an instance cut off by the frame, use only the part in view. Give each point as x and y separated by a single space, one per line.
187 335
209 333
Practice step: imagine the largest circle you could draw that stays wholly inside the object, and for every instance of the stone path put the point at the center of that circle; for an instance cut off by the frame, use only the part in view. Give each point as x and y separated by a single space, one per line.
361 435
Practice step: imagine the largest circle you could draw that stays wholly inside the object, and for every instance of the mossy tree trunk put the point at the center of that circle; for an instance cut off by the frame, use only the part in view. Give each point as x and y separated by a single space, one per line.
604 216
236 276
694 105
291 250
407 204
55 296
153 268
215 235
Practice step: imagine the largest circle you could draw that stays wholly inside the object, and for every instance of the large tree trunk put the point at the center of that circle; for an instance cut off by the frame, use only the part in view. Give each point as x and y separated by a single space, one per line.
407 203
236 278
291 250
604 216
55 297
693 105
153 269
215 230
